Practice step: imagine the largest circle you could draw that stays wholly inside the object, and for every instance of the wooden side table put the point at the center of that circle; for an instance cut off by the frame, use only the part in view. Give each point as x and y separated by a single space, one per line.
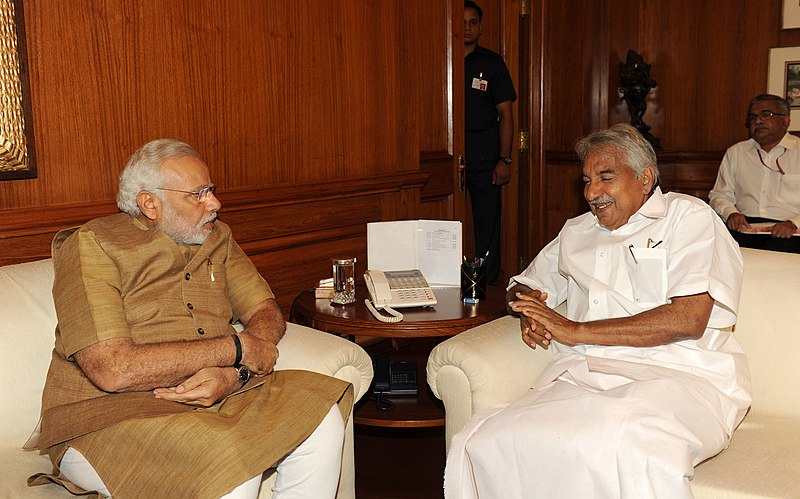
449 317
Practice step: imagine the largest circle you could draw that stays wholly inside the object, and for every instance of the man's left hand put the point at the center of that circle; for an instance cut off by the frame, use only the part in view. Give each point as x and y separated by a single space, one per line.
501 174
204 389
783 230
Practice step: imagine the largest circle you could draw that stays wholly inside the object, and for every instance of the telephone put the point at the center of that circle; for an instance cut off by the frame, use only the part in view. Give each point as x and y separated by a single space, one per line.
395 377
396 289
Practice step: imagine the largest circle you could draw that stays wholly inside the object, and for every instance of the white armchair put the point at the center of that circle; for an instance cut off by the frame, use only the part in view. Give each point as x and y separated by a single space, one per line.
27 329
489 367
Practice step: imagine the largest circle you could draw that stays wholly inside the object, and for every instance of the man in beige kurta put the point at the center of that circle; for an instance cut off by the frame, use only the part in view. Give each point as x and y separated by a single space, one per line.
165 413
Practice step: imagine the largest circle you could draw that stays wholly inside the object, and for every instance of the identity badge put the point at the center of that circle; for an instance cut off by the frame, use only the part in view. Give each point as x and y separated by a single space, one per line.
479 84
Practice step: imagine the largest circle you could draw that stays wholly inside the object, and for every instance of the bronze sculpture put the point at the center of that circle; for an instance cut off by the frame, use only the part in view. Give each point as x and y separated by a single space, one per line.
635 84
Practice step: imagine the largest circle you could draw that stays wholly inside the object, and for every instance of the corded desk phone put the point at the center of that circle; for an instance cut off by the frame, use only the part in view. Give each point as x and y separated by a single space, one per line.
396 289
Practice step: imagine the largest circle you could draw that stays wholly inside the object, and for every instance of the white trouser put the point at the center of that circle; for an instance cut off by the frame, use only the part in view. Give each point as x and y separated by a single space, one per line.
311 470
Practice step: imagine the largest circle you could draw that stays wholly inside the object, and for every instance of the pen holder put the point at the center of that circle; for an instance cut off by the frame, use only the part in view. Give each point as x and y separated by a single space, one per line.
473 282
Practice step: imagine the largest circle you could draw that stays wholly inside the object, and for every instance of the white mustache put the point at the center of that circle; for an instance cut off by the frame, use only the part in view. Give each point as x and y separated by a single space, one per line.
210 219
604 199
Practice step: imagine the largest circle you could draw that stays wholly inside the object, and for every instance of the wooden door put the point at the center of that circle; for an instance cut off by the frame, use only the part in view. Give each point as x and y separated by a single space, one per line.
500 32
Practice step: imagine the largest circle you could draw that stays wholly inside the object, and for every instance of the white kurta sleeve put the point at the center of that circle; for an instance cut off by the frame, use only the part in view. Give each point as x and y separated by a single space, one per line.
703 257
542 274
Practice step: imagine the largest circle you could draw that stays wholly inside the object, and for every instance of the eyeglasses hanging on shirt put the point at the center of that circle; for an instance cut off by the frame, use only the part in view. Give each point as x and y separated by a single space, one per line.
779 170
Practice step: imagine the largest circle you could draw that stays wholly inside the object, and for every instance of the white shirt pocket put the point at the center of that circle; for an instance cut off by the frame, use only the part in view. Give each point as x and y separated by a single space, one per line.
649 277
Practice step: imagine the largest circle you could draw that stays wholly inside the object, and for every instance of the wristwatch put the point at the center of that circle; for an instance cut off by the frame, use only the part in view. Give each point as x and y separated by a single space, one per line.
506 159
243 372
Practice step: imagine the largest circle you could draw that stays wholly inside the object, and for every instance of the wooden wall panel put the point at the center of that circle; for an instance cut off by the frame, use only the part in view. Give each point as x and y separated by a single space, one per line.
709 59
291 235
271 93
314 118
706 71
258 87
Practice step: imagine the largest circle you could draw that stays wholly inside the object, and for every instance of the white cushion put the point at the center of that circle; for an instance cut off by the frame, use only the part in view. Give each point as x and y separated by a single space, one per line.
762 461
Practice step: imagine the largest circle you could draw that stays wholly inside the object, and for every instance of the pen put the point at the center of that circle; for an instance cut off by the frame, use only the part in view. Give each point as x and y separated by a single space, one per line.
630 248
657 243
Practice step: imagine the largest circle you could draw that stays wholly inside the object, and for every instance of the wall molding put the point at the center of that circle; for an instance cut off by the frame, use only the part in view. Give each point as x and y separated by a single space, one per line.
25 234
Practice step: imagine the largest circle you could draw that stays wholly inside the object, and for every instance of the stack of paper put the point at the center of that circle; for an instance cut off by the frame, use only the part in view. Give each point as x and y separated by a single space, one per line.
432 246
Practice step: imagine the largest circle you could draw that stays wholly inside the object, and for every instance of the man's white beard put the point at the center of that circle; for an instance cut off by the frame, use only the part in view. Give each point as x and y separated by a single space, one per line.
181 230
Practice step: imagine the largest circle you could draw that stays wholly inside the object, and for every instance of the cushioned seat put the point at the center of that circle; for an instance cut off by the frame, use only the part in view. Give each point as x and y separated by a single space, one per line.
27 335
489 367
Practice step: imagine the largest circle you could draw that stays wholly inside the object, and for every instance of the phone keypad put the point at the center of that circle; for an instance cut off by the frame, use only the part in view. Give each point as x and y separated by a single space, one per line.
406 280
403 378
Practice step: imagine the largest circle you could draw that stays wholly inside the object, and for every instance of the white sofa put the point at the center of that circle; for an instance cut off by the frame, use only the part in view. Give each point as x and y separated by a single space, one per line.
489 366
27 325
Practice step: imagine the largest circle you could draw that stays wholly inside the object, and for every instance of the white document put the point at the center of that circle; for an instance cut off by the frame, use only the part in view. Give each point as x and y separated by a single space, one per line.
432 246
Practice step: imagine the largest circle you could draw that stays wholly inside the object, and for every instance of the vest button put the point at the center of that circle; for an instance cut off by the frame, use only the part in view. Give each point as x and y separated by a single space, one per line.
190 306
200 331
188 276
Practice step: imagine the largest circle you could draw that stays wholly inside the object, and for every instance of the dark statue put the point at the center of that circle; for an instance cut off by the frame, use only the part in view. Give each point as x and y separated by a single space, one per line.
635 84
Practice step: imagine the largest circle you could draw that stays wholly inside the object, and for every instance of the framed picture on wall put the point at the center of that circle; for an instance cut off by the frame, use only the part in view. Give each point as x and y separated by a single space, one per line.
17 159
791 14
783 79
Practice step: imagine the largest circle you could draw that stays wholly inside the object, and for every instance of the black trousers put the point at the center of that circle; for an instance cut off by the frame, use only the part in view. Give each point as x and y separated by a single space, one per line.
486 199
765 241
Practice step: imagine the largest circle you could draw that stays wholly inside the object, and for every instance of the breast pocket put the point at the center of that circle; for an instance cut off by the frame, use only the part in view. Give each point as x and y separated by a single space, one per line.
789 187
649 277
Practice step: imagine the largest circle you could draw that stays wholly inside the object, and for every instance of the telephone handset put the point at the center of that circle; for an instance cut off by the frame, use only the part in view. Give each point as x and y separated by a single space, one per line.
396 289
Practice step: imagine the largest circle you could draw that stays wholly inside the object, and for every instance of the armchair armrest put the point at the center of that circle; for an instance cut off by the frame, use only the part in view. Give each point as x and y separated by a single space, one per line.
483 368
313 350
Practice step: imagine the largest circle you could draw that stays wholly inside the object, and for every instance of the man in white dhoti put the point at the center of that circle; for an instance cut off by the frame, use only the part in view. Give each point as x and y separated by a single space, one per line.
647 379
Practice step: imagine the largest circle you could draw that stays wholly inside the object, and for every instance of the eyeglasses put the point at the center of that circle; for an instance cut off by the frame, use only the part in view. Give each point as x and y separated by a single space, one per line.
201 195
764 115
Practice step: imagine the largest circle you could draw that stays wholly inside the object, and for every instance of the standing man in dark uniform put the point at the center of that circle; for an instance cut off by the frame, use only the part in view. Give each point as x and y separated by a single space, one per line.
489 126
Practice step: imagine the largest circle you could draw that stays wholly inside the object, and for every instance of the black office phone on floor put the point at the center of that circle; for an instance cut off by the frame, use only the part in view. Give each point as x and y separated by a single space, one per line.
394 377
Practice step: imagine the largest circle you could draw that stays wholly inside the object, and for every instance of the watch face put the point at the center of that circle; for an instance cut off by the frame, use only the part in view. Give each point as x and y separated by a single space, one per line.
507 160
244 374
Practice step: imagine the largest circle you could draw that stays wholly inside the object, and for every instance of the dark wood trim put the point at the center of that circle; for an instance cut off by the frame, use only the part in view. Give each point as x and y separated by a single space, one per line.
247 199
439 165
39 220
556 157
25 234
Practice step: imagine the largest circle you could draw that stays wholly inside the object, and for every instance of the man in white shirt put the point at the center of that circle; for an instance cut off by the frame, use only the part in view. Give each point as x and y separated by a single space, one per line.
646 379
757 192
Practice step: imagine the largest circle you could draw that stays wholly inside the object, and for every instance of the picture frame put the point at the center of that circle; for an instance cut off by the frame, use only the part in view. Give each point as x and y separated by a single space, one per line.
791 14
783 79
17 158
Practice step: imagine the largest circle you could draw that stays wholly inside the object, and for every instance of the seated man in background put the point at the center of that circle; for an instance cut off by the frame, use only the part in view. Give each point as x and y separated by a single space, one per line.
150 392
759 180
646 379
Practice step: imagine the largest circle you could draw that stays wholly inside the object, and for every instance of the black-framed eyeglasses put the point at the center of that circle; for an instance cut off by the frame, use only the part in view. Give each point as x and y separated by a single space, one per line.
201 196
764 115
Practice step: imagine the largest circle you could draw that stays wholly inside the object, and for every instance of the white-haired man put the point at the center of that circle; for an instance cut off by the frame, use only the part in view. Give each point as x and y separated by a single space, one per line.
151 393
645 381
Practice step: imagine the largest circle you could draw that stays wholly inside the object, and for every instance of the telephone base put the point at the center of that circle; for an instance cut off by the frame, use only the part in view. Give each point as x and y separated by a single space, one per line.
397 377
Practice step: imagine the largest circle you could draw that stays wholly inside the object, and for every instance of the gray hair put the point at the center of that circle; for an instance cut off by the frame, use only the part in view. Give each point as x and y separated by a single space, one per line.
623 140
784 104
143 171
